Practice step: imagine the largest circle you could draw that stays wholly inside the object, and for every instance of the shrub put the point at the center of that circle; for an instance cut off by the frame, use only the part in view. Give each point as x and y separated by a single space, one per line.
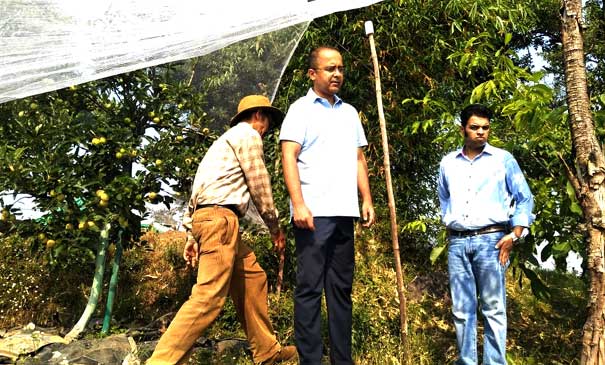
33 291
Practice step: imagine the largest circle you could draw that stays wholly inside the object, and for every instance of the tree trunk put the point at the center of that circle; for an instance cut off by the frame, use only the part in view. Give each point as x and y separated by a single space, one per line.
113 285
95 289
588 179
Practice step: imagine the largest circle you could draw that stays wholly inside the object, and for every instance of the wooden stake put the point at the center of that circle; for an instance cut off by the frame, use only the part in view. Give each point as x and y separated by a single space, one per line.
391 199
280 272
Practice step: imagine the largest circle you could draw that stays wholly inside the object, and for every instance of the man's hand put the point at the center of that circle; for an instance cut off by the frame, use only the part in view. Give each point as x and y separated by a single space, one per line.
506 246
191 251
367 214
279 241
303 218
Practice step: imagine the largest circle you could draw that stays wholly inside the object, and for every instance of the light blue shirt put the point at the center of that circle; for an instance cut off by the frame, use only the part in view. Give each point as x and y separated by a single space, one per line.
329 136
490 189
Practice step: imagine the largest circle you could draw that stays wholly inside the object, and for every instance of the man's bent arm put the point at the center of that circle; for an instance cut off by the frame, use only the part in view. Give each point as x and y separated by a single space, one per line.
363 184
302 216
250 156
519 189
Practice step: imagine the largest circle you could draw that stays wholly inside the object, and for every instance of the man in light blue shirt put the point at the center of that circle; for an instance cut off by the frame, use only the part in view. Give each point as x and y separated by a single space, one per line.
325 169
486 206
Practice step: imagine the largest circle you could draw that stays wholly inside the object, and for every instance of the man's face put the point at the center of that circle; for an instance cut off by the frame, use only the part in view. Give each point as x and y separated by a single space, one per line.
475 132
260 123
327 76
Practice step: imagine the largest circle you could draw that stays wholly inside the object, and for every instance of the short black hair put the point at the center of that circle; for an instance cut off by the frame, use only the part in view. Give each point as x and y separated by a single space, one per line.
477 110
312 58
247 114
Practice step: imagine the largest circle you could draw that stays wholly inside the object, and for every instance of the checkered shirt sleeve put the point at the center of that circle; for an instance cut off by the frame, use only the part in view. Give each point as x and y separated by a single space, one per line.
251 160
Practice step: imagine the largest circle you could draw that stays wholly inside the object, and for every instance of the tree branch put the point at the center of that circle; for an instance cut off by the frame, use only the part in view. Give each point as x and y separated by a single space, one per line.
570 175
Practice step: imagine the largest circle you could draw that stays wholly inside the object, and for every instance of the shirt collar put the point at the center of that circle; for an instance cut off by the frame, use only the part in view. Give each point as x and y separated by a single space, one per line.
318 99
244 125
488 149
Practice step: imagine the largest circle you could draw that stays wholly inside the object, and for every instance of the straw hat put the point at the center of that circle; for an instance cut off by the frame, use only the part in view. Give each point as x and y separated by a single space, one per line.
257 102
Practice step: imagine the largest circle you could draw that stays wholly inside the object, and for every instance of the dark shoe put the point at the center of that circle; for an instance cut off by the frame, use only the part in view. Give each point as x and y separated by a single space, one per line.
287 353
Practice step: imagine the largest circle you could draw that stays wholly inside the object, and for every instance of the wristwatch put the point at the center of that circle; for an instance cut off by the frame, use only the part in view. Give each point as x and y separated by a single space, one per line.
514 237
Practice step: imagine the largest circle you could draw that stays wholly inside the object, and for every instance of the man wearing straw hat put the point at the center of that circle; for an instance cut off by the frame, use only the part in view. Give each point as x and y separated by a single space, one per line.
231 173
322 142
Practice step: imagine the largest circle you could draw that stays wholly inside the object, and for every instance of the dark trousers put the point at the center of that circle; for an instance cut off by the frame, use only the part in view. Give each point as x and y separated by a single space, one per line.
325 261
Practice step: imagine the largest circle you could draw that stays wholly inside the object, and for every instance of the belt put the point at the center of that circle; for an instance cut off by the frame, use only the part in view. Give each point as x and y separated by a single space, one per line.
475 232
231 207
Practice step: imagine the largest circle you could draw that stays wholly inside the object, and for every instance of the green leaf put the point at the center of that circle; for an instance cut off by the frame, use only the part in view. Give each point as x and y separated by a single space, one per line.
571 193
575 208
436 252
561 248
507 38
538 287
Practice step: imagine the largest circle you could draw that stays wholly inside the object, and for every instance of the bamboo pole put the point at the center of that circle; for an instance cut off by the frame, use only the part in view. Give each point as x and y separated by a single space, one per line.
369 28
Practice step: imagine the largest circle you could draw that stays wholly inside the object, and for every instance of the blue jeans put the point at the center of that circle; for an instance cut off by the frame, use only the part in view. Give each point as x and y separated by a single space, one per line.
474 270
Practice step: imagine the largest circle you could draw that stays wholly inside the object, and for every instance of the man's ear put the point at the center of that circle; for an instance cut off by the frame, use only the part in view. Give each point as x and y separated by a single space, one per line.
311 73
257 115
462 131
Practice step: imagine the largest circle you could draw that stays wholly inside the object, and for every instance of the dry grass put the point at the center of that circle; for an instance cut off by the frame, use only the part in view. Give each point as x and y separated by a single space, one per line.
31 292
154 282
154 279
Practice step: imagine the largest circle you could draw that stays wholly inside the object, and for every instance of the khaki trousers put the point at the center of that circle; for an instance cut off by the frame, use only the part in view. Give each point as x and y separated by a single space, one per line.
226 267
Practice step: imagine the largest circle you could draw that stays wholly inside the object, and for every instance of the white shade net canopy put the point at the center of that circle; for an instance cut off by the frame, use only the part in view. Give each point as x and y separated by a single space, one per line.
46 45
